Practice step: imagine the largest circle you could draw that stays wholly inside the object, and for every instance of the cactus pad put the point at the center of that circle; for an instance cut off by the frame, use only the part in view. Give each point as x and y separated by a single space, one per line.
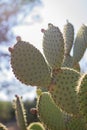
29 66
76 124
49 114
20 113
53 46
68 62
63 90
68 34
80 45
82 95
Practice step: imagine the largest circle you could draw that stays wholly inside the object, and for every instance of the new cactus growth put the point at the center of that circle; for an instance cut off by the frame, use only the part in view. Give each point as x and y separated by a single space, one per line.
20 113
36 126
57 74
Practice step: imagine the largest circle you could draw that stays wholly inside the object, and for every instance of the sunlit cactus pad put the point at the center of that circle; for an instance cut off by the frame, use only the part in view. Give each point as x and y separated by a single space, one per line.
49 114
80 44
68 34
53 46
63 90
29 66
82 96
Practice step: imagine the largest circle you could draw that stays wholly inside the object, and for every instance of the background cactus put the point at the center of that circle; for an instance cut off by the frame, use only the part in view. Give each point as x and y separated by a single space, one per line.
59 107
3 127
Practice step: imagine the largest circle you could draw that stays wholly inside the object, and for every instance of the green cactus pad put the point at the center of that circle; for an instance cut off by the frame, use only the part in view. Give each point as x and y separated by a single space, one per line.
63 90
20 113
49 114
53 46
29 65
35 126
76 124
68 34
82 95
3 127
68 62
80 45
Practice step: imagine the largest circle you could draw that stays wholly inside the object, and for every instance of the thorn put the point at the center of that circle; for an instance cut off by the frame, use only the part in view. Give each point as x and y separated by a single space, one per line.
18 38
10 49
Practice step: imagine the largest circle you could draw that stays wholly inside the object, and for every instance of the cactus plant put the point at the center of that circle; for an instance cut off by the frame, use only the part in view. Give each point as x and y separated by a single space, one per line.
59 107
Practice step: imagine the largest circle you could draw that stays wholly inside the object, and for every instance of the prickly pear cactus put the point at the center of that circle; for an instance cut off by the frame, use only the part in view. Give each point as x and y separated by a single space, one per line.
57 73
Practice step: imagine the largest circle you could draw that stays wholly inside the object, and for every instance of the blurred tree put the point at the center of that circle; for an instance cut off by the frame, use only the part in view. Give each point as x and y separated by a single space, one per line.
12 13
